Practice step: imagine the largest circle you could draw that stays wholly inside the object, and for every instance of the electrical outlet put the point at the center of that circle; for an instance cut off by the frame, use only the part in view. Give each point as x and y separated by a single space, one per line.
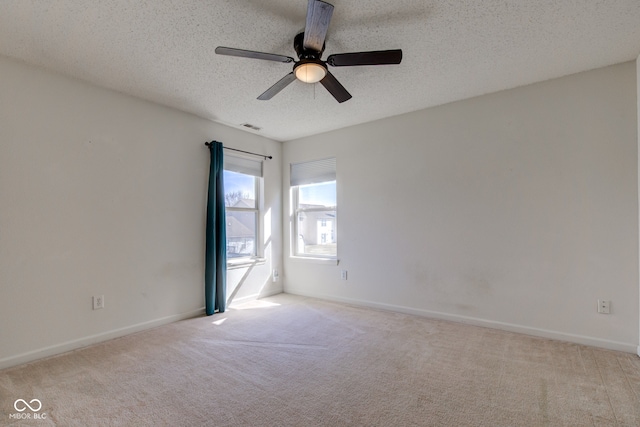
276 275
604 306
343 274
98 302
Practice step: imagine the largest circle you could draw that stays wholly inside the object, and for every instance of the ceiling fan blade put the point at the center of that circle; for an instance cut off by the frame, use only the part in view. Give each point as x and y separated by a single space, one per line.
315 30
221 50
378 57
335 88
281 84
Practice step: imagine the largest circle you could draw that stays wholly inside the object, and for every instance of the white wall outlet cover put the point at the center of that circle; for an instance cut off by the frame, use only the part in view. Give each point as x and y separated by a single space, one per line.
98 302
604 306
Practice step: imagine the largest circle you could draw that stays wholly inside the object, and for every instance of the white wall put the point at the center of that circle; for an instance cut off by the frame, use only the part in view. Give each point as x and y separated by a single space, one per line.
516 210
101 193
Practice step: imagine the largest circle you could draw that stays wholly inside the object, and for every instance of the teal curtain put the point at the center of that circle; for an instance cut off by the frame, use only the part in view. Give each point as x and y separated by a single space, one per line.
215 270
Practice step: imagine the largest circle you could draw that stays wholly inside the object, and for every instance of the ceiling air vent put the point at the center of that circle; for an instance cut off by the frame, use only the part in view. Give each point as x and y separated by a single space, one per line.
250 126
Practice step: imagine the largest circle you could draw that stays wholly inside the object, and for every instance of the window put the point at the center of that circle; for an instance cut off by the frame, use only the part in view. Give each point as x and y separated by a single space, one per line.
242 178
313 195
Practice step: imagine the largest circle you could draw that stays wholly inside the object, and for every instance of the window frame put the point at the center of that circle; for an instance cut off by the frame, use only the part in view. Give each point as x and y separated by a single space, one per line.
296 210
258 256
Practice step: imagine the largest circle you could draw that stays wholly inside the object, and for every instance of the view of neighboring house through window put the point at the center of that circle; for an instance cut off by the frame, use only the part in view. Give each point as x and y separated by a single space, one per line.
241 197
313 194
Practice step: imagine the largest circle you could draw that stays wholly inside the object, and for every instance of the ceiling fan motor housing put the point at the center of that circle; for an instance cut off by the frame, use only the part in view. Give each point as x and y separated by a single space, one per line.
305 53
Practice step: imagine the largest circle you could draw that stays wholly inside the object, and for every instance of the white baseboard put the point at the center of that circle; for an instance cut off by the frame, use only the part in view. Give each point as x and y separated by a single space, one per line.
544 333
116 333
93 339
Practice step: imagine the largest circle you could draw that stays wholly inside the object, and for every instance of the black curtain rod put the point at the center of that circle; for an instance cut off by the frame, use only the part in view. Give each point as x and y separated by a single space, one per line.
208 144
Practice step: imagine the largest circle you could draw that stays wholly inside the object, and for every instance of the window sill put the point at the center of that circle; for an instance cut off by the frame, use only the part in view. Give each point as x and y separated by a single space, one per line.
325 261
245 262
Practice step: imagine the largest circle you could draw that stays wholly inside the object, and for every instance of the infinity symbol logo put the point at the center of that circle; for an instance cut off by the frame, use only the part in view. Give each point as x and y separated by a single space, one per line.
26 405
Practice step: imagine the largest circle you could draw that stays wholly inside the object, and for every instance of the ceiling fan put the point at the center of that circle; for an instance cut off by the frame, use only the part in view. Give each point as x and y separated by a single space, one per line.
309 46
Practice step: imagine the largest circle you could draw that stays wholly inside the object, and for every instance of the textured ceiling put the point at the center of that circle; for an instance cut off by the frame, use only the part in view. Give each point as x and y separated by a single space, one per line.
163 51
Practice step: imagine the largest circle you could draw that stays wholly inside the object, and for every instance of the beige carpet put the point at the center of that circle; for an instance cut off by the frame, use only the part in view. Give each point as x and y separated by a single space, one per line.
292 361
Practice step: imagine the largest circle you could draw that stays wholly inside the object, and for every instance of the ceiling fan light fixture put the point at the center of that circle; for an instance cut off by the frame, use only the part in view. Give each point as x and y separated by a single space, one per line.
310 72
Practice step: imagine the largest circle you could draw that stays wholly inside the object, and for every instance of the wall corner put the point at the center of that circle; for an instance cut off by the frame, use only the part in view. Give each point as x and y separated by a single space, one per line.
638 167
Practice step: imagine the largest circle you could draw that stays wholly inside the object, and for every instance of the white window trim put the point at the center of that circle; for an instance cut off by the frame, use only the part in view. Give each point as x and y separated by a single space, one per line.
236 263
315 260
